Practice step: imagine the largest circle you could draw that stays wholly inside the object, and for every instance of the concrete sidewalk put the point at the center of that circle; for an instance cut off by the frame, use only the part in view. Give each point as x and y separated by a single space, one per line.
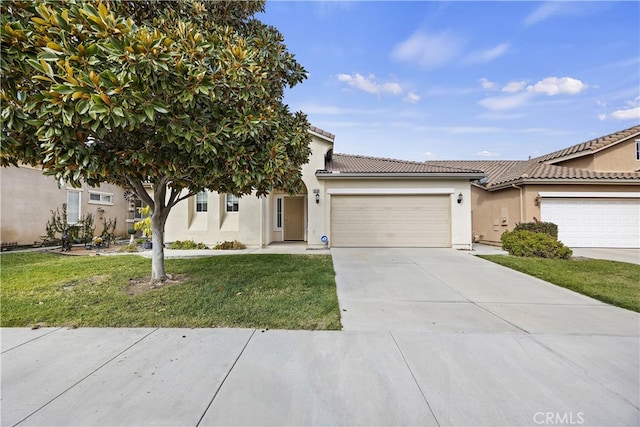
207 377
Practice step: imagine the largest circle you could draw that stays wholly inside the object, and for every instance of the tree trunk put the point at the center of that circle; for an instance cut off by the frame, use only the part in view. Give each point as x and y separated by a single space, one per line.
158 220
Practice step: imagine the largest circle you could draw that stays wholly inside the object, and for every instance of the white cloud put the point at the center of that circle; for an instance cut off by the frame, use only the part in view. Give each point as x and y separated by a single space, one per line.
428 50
488 55
627 114
602 117
370 84
558 85
513 87
411 98
486 84
507 102
546 10
486 153
563 8
427 154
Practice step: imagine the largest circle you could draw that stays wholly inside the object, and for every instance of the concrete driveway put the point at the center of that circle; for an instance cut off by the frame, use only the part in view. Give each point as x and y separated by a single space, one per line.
432 337
488 345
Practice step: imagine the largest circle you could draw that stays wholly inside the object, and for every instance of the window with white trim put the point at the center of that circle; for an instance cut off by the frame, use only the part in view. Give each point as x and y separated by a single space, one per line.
138 204
202 201
100 198
73 206
233 203
278 216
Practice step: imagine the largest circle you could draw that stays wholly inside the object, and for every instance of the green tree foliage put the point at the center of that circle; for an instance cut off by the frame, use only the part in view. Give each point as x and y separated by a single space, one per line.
173 97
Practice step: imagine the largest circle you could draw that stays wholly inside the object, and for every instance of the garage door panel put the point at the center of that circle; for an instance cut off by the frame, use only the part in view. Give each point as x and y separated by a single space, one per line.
390 221
595 223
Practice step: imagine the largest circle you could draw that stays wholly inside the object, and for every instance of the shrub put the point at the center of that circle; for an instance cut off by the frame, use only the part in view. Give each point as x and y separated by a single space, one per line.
538 227
230 245
132 247
187 244
526 243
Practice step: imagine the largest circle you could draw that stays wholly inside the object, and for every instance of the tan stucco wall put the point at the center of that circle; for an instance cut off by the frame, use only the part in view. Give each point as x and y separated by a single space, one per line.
216 225
27 198
585 162
460 213
495 212
488 207
253 224
618 157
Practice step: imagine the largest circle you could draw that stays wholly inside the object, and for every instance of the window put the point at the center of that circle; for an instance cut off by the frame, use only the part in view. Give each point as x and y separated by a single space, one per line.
139 204
637 149
201 201
279 213
102 198
73 207
232 203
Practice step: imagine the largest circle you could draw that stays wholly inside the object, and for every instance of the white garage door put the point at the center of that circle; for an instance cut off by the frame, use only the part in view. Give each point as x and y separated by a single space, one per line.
390 221
584 223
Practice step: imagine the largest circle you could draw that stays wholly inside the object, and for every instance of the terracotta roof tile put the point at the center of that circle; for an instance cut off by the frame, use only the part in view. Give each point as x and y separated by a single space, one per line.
322 132
592 145
501 172
345 163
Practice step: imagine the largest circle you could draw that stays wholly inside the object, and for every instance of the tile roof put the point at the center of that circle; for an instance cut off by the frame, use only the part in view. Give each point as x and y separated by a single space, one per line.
591 146
502 173
322 132
345 163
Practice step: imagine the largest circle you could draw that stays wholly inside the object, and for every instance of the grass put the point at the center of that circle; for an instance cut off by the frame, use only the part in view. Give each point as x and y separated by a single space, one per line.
616 283
252 291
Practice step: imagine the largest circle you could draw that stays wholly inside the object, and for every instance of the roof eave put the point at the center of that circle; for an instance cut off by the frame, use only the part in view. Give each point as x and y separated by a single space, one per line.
321 136
399 175
594 181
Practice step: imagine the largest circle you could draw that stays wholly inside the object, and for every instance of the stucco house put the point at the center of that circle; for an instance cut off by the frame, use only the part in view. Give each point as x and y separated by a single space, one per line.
591 190
27 198
348 201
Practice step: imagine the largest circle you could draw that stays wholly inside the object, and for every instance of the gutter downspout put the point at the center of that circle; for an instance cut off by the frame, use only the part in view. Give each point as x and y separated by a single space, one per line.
521 202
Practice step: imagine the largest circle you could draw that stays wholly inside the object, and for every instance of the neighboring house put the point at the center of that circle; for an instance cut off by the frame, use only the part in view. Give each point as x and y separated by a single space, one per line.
590 190
27 198
349 200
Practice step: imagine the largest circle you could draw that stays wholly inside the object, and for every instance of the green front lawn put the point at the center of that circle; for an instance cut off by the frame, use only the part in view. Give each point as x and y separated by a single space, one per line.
252 291
616 283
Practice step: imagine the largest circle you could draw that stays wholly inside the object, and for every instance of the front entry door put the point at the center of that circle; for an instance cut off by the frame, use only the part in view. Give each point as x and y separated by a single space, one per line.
294 218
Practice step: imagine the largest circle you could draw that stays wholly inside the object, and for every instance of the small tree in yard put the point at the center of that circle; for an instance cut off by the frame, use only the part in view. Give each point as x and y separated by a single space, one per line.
182 96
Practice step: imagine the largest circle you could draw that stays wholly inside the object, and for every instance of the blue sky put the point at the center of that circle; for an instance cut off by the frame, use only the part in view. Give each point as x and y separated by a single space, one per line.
427 80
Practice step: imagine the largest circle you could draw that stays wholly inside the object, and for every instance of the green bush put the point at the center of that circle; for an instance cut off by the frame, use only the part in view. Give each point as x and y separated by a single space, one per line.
526 243
230 245
187 244
132 247
538 227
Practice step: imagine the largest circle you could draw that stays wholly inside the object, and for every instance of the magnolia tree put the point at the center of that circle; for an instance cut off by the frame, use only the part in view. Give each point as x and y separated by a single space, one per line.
165 98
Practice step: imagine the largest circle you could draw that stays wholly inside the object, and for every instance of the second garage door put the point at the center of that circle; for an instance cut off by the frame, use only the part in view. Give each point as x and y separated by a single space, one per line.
595 223
390 221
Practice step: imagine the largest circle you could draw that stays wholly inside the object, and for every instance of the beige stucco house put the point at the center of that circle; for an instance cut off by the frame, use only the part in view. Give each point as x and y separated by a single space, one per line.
590 190
348 201
27 198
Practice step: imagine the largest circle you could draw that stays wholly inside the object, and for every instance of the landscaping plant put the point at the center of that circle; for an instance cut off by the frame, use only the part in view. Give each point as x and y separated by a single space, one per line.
187 244
524 243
